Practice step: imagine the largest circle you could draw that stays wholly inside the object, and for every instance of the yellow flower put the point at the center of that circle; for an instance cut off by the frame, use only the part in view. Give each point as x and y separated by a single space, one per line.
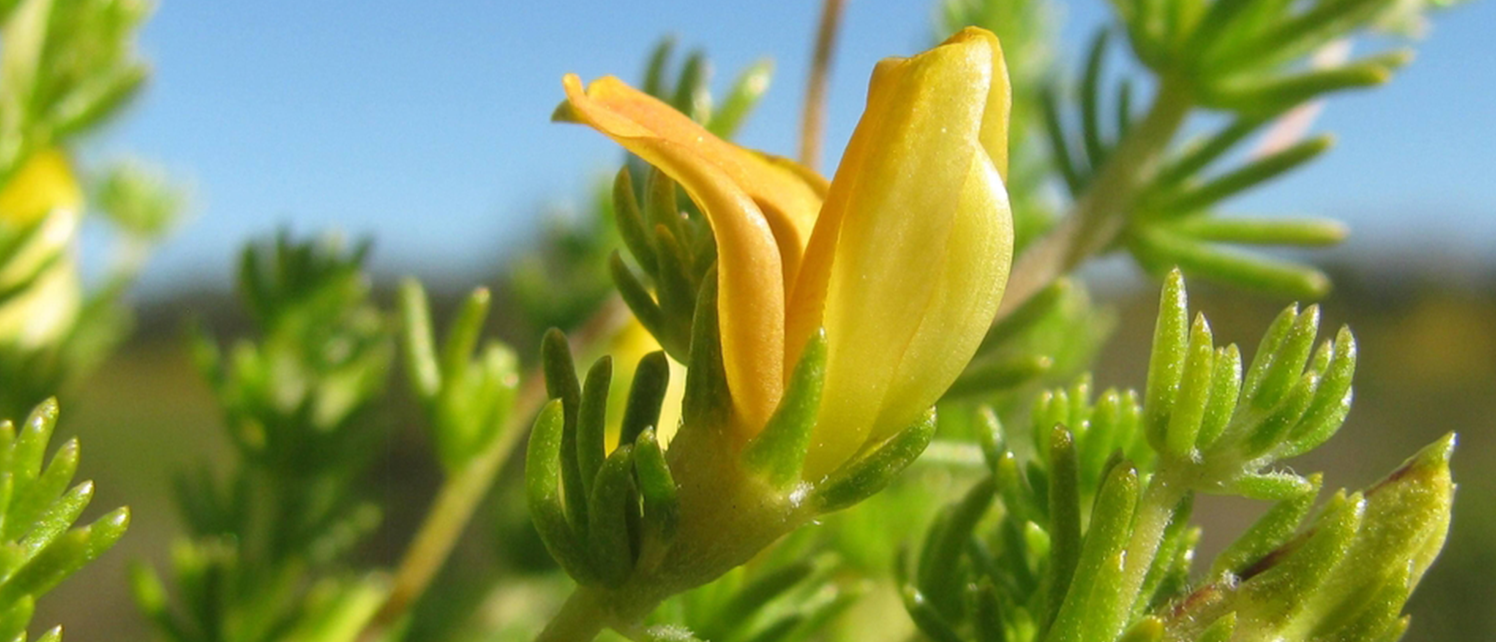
903 263
44 193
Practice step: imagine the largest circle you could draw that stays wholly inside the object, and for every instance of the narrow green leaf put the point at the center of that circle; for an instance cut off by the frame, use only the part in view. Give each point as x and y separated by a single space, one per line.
1064 518
543 479
1190 404
1093 609
1004 374
1059 144
29 504
630 221
65 555
1279 94
1303 232
1220 630
561 384
1166 365
646 395
657 489
1288 361
757 594
1274 486
1250 175
639 301
941 578
609 536
1332 401
1148 629
929 621
463 334
1090 100
1158 246
1271 532
656 70
56 520
1225 391
592 423
416 338
744 95
692 96
31 443
1203 153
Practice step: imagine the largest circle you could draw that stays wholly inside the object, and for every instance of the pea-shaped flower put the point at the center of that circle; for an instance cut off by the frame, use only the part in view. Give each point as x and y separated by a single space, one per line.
40 208
902 259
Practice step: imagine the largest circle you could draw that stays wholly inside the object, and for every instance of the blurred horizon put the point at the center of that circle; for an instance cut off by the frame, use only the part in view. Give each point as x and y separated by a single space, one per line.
427 131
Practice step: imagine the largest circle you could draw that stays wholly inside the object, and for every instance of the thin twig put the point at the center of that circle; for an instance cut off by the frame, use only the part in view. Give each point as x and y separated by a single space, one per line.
460 495
813 118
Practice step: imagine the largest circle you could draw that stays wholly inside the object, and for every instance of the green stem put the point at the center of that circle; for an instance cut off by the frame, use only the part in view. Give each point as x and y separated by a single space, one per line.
460 495
1100 215
1154 513
580 619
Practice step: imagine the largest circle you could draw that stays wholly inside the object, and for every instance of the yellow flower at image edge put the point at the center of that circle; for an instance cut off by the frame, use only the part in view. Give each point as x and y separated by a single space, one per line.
42 192
902 259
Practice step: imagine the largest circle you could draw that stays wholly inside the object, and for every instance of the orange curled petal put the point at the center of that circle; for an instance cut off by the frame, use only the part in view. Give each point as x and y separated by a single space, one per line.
749 270
787 194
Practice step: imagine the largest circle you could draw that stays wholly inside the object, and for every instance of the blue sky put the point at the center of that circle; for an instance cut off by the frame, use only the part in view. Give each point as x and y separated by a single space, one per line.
425 124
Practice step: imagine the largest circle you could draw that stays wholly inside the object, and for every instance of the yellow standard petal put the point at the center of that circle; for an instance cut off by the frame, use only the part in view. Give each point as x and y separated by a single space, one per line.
911 252
759 209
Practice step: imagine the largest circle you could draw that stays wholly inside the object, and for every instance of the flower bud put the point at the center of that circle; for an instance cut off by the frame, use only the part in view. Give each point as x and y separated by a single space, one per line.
912 248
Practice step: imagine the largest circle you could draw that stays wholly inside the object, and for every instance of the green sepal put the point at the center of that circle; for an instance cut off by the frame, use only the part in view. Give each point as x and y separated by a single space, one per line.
1094 609
543 480
646 394
1269 533
778 451
657 490
614 498
707 399
861 478
592 422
